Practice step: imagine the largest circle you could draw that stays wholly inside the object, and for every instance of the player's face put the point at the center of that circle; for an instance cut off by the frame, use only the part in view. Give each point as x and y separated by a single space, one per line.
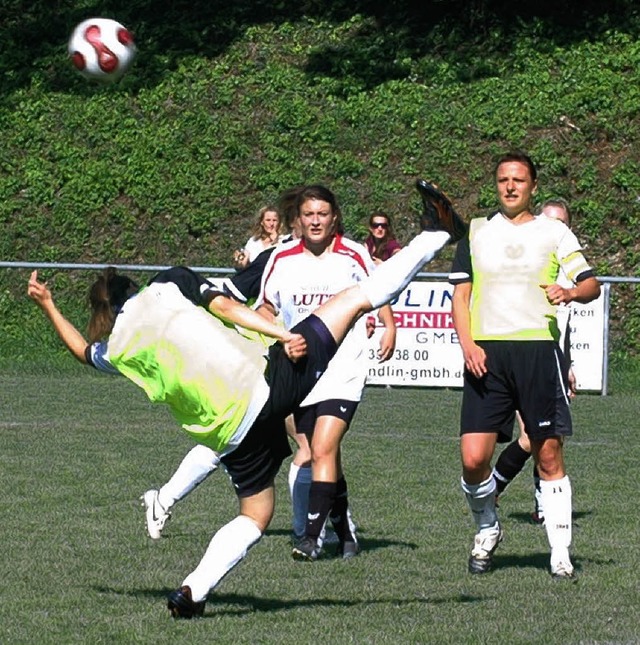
515 187
556 212
379 227
317 221
270 221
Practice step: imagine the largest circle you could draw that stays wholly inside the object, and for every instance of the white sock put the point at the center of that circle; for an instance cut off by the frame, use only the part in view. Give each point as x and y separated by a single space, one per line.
293 473
392 276
556 500
196 466
539 505
482 502
226 549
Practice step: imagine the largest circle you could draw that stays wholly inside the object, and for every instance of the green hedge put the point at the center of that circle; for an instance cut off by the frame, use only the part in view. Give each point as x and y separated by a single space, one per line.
170 165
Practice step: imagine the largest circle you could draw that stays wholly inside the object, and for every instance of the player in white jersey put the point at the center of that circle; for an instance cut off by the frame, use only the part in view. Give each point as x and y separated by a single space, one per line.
504 310
227 392
514 457
298 278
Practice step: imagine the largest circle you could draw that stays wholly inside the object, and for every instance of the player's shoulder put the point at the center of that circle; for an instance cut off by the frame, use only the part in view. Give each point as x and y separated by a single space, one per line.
346 246
287 249
482 221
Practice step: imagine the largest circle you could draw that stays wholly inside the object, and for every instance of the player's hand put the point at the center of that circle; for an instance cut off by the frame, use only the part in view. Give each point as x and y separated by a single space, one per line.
387 344
556 294
370 326
573 385
38 291
475 360
295 346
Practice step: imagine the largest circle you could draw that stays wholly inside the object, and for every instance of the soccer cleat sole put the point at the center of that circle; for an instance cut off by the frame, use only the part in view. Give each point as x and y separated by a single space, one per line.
439 213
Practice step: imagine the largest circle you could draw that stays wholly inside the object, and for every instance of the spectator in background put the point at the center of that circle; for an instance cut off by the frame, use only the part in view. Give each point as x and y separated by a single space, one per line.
381 241
266 233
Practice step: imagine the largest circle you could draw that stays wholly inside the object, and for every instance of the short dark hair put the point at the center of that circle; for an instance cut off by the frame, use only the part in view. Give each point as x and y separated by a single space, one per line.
520 157
558 202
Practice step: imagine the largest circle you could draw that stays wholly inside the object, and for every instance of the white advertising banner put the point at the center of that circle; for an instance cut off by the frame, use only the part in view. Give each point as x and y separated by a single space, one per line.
586 326
427 350
428 354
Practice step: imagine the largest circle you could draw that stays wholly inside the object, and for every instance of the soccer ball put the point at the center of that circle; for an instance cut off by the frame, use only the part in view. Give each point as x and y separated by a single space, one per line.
101 49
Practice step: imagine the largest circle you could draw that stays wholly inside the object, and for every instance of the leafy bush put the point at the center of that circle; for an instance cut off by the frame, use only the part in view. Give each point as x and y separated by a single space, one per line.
228 105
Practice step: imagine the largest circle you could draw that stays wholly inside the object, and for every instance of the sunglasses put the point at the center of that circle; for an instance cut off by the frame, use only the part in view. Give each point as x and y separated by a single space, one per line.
379 225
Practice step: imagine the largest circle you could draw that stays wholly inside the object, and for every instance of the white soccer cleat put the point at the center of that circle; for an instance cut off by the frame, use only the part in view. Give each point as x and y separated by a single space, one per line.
155 514
484 545
561 567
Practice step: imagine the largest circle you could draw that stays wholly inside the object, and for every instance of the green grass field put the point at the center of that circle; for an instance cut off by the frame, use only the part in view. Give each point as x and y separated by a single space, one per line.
77 567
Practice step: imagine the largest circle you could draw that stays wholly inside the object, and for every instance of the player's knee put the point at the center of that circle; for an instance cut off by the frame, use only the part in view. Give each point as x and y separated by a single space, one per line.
550 459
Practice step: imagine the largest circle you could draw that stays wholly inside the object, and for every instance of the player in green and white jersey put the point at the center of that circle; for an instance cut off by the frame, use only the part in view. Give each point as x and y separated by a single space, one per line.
504 309
225 387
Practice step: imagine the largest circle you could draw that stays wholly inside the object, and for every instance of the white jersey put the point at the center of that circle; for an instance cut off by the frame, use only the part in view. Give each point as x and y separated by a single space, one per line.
506 265
295 283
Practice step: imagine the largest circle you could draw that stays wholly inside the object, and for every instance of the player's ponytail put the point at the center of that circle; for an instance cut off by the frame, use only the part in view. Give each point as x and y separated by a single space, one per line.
107 295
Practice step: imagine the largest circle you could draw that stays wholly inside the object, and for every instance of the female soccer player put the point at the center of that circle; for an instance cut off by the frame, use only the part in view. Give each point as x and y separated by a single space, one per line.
223 387
504 311
299 276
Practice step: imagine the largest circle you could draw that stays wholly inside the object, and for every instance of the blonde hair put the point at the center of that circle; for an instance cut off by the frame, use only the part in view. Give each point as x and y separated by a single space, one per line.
257 231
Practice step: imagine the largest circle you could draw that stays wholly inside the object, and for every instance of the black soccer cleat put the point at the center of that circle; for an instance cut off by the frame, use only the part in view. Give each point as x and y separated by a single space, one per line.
438 213
181 605
306 549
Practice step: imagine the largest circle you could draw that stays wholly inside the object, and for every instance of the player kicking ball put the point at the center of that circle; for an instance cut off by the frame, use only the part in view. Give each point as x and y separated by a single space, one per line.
172 338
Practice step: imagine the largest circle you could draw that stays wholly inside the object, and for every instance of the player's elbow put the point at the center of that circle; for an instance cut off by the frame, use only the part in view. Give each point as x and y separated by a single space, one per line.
588 290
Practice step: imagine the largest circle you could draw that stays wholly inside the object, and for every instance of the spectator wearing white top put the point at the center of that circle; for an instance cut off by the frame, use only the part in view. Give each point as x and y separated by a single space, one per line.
266 233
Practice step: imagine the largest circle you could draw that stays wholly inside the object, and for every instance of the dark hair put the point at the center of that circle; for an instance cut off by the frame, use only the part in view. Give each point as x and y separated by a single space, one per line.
520 157
322 193
558 202
287 205
378 246
107 295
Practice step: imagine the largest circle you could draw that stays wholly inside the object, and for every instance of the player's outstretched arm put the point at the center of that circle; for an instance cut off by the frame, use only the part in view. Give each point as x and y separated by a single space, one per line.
234 312
70 336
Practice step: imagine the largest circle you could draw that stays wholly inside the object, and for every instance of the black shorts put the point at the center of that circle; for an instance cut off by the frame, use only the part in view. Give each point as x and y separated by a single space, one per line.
339 408
290 382
528 376
253 465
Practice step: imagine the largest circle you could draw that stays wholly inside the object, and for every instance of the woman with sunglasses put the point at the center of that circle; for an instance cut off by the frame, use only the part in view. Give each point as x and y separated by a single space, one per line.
381 242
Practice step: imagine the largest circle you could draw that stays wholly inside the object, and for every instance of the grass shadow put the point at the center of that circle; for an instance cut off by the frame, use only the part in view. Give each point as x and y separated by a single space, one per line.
525 518
240 604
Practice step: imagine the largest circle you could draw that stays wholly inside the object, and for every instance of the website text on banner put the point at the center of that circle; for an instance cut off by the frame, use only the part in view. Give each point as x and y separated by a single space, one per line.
428 353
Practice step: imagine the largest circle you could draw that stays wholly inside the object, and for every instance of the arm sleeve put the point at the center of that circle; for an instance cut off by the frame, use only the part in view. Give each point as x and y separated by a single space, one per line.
269 291
192 285
461 269
572 261
96 355
245 285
